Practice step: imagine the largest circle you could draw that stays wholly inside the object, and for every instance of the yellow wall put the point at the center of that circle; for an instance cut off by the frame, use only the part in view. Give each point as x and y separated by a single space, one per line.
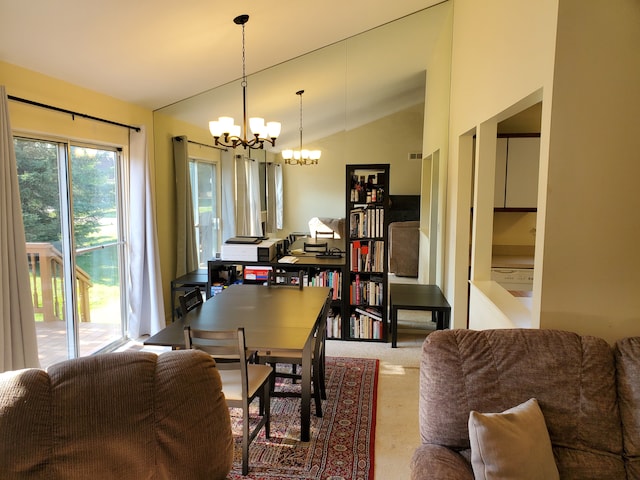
165 129
319 190
514 228
33 86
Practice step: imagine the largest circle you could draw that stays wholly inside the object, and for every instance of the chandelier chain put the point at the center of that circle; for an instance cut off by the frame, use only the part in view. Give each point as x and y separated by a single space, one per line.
244 69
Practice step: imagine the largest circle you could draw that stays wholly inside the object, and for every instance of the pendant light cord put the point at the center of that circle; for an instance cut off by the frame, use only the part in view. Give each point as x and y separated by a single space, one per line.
300 93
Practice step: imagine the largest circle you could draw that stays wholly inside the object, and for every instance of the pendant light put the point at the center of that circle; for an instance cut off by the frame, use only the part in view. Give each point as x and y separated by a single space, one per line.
227 134
302 156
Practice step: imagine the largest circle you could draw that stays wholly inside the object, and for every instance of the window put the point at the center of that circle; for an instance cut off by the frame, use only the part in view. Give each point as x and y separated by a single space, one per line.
206 214
71 206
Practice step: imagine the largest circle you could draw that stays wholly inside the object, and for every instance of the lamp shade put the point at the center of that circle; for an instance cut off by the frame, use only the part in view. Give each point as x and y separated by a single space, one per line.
273 129
287 154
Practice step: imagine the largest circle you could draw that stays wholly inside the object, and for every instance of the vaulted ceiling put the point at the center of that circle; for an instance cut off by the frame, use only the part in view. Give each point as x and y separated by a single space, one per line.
157 53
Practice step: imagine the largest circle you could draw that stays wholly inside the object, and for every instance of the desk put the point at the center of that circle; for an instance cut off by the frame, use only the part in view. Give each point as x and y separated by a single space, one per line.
273 319
409 296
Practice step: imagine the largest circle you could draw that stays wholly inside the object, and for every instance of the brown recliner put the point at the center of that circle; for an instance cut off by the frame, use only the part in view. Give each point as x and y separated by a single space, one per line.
128 415
588 392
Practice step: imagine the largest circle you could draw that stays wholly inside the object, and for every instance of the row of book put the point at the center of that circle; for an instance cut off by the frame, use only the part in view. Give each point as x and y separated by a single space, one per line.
366 222
366 292
367 256
334 326
327 278
365 326
324 278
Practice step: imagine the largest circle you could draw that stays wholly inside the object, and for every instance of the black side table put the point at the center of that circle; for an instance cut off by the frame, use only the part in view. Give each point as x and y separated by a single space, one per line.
408 296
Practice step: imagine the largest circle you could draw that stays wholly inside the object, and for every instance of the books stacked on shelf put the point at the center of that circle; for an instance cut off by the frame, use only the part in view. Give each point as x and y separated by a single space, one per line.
366 222
367 256
365 324
367 186
334 326
328 278
366 292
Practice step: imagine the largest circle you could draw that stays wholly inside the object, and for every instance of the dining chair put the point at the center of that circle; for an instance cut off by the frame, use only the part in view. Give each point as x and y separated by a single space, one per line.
294 358
190 300
325 234
242 382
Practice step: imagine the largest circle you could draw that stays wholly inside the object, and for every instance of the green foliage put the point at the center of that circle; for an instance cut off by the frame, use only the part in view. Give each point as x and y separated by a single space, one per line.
94 191
38 180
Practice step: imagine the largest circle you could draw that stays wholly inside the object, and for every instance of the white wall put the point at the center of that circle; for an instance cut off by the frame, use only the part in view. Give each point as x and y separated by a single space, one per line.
583 64
591 256
435 148
502 55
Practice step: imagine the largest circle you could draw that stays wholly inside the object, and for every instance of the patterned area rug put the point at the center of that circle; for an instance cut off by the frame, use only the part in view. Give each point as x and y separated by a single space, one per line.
342 441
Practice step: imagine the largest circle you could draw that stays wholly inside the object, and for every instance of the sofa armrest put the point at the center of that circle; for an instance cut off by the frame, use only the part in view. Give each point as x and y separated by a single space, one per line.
435 462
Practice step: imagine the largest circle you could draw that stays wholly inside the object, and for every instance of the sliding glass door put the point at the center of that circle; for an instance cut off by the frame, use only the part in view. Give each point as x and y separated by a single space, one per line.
71 205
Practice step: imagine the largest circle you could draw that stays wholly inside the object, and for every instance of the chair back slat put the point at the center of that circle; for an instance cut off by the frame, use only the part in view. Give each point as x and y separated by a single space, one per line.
321 329
227 347
190 300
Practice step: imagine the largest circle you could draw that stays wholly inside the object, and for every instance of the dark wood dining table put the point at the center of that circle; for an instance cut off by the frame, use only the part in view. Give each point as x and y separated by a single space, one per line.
273 318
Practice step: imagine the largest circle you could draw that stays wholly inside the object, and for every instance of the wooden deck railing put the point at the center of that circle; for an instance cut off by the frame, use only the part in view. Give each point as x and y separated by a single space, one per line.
45 272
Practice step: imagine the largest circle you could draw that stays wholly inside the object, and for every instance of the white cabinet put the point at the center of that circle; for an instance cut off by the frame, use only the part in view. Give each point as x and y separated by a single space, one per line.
517 163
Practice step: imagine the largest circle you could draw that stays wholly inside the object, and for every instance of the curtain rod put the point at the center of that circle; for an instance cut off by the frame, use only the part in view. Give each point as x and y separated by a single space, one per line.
205 145
72 113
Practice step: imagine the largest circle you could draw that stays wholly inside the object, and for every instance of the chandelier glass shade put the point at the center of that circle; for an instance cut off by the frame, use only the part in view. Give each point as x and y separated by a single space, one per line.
302 156
226 133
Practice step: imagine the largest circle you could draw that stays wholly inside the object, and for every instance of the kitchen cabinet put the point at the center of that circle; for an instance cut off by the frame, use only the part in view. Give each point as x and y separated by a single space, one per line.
517 164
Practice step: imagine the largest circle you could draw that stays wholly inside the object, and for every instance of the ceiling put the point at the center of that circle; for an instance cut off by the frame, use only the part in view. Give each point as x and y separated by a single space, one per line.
154 53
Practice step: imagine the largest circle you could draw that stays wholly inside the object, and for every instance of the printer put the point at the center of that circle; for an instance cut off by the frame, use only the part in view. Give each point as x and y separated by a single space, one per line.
262 251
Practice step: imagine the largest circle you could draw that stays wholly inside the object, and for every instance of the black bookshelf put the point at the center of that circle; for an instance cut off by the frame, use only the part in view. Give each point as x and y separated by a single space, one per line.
366 285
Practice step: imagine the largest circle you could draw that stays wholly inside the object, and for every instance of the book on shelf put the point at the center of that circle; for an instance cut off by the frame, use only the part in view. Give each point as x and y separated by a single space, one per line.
367 256
334 326
366 222
370 312
328 278
364 326
366 292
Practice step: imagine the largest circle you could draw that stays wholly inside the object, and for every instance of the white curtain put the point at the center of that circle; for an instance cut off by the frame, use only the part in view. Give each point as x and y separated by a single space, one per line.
275 204
18 333
186 248
248 197
228 195
146 305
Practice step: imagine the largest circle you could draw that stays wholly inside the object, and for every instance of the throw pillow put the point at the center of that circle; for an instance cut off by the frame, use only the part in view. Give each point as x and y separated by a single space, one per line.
513 444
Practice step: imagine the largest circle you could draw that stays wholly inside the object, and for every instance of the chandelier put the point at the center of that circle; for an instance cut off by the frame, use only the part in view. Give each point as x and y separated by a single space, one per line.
227 134
301 157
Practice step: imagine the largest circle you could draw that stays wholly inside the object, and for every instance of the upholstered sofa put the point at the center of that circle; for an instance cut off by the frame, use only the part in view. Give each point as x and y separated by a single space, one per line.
128 415
588 393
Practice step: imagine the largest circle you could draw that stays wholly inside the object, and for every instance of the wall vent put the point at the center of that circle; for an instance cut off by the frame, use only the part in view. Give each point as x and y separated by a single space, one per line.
415 156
